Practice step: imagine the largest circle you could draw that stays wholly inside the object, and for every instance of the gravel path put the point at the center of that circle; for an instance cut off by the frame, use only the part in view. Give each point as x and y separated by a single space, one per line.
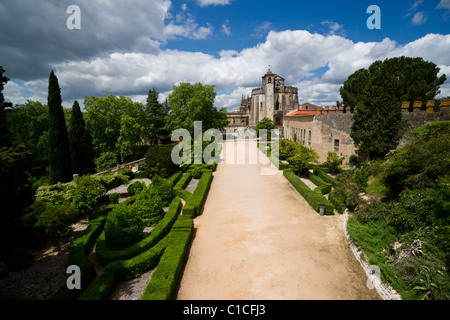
259 239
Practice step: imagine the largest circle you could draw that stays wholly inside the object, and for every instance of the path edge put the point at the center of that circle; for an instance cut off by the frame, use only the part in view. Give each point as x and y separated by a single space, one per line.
384 290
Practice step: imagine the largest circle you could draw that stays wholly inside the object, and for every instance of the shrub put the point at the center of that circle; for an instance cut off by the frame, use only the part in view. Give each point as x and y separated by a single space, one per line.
348 190
162 188
196 172
135 188
113 180
314 199
149 207
52 194
85 192
334 162
107 254
107 160
362 178
113 198
123 226
127 172
353 159
55 219
158 161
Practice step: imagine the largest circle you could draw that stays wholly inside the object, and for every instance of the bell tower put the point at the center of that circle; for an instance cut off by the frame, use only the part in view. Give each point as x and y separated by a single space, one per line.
268 84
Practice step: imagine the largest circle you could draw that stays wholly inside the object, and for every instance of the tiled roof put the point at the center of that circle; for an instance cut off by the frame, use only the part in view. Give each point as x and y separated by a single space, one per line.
302 113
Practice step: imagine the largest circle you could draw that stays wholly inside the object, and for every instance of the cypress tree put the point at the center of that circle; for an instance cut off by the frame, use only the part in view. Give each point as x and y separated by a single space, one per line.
81 151
155 116
60 167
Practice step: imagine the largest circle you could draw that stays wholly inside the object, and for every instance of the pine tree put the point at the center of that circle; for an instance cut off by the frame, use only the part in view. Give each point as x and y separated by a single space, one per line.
60 167
378 125
81 151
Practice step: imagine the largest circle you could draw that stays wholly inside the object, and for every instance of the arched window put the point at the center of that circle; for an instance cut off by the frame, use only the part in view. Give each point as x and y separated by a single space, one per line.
270 80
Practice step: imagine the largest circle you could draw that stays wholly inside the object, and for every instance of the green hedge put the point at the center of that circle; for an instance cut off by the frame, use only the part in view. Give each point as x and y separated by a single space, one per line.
79 252
106 254
325 177
165 279
313 198
175 178
194 204
337 202
104 286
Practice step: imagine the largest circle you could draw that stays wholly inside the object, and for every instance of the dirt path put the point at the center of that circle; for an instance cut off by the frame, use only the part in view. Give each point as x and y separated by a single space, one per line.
259 239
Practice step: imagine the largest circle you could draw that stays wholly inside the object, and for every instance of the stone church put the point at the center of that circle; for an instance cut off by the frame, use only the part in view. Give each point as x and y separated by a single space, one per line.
323 129
273 100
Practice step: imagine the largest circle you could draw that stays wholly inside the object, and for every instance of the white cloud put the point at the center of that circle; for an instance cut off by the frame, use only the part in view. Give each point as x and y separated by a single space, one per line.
413 8
419 18
295 55
226 29
204 3
443 4
186 27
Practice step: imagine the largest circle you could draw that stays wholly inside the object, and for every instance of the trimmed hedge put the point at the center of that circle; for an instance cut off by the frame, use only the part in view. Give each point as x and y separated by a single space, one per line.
169 255
175 178
313 198
322 186
104 286
79 252
194 204
165 279
325 177
106 254
337 202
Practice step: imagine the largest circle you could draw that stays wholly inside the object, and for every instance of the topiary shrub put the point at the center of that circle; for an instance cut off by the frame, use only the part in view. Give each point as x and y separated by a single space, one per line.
135 188
113 180
196 172
123 226
163 189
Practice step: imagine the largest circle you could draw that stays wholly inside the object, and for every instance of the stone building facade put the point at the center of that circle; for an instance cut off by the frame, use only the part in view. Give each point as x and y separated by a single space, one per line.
273 100
323 129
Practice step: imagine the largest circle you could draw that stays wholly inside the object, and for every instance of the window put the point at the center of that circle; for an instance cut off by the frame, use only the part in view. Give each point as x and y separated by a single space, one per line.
309 138
336 145
261 106
270 80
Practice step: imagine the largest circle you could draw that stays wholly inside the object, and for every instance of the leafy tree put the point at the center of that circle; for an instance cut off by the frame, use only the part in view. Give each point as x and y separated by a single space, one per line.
353 87
156 114
266 124
301 157
60 164
334 161
378 125
29 126
130 142
413 80
81 151
194 102
5 134
107 120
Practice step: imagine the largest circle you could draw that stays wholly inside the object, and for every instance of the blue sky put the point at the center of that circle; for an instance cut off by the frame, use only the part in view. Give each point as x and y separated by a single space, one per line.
128 47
